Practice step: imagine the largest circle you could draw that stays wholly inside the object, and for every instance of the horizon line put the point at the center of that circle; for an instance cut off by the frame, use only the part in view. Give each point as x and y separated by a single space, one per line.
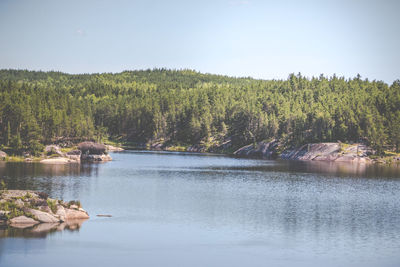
329 77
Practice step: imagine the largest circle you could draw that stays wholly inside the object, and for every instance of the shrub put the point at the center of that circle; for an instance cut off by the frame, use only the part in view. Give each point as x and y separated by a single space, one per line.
35 147
52 205
3 185
74 202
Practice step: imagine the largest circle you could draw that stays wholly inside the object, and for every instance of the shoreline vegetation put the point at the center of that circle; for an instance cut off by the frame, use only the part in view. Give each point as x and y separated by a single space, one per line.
338 152
333 152
44 115
53 154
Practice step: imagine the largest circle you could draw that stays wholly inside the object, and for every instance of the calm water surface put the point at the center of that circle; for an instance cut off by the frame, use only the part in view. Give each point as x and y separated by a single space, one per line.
182 209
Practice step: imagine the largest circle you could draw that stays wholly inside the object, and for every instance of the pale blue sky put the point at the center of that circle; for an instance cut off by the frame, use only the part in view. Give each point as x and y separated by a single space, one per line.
261 39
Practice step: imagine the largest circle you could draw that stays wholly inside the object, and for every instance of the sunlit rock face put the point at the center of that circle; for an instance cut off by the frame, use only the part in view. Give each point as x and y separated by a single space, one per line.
266 150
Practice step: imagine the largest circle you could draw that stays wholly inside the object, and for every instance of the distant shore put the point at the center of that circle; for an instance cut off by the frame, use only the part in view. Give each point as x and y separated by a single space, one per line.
332 152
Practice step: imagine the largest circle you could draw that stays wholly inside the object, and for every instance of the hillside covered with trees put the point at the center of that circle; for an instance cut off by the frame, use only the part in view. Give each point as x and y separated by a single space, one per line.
188 107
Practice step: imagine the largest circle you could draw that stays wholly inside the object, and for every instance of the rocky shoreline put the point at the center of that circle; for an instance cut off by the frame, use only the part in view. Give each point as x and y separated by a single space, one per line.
54 154
330 152
26 208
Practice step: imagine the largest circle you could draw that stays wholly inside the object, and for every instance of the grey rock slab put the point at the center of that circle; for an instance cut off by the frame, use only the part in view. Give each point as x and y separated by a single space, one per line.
75 214
22 220
43 217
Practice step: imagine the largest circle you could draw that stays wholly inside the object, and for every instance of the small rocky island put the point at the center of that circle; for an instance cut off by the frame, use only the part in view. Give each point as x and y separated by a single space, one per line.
26 208
85 152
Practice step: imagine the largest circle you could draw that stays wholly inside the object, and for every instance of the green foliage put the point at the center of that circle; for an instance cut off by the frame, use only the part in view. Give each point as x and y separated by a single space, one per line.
8 133
35 147
16 142
3 185
12 208
52 205
187 107
74 202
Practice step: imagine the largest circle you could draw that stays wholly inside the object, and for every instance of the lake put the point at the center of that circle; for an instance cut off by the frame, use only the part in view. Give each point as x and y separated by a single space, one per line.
187 209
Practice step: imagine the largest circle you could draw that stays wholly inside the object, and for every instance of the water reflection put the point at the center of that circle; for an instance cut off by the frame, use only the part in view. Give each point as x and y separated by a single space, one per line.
165 206
40 230
49 178
326 168
22 169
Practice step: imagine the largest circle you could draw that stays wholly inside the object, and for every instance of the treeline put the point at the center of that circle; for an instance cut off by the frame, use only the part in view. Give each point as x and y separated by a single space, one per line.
187 107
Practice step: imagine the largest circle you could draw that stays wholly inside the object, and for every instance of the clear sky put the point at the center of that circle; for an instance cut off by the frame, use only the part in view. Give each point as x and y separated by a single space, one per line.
261 39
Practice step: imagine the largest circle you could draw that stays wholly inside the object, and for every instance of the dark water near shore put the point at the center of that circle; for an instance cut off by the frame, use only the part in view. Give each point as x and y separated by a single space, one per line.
182 209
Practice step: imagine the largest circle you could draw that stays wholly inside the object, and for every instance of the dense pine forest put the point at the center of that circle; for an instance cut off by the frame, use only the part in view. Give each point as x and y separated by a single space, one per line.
188 107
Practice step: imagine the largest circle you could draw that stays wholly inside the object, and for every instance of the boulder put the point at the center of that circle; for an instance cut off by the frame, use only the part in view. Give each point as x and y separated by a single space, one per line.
43 217
92 148
23 220
95 158
3 155
71 214
61 212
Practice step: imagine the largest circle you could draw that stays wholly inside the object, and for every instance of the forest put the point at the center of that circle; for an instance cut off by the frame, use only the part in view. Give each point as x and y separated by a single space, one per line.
188 107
